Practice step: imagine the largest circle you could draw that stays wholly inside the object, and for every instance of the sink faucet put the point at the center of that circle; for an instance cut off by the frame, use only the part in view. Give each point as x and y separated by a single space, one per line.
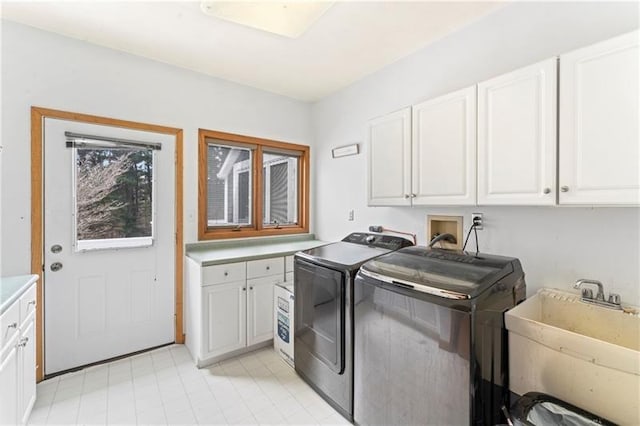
587 294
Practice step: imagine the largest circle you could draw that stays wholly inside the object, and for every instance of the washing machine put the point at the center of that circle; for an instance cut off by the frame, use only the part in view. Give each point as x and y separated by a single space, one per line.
283 320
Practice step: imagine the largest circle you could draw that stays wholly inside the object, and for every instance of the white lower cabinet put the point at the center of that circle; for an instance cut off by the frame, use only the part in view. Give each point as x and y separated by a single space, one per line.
18 360
8 386
260 309
226 317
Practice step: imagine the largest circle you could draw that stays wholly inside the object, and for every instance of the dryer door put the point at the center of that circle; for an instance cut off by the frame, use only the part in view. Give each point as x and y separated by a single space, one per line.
319 313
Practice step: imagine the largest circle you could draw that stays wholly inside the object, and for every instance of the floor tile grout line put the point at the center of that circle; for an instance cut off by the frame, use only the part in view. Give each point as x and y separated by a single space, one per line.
133 386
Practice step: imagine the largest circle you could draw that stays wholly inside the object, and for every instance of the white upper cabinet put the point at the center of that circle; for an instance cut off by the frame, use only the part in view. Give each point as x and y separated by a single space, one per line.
517 136
444 150
599 139
389 150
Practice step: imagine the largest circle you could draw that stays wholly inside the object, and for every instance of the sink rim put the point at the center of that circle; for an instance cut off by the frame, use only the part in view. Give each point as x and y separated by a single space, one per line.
518 320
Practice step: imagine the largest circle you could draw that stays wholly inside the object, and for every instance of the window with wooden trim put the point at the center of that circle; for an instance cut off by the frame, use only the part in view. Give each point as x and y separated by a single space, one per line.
251 187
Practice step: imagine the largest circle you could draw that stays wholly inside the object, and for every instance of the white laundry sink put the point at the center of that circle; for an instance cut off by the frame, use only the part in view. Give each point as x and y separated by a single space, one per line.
581 353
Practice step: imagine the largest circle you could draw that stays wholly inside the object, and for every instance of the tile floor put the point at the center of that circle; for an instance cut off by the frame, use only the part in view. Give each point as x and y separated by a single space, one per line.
164 387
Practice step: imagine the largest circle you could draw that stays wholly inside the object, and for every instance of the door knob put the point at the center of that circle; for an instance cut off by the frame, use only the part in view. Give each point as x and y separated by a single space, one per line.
56 248
56 266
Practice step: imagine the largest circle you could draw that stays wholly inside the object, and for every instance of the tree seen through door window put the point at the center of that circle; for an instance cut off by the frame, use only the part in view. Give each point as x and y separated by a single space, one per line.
114 193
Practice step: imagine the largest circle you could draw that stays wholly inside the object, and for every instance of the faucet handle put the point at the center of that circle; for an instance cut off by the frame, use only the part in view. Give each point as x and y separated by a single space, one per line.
587 293
614 298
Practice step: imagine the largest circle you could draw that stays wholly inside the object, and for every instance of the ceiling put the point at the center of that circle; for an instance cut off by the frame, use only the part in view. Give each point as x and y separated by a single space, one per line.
349 41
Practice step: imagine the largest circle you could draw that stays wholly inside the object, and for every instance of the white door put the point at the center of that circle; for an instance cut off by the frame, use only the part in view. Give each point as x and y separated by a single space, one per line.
389 151
109 243
225 318
260 308
517 136
599 121
444 149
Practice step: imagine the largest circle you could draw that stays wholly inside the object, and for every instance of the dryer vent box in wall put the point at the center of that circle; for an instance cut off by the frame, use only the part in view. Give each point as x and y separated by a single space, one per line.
437 225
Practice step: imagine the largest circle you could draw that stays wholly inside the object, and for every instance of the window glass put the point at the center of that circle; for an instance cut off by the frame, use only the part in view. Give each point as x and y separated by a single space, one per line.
114 197
280 189
228 186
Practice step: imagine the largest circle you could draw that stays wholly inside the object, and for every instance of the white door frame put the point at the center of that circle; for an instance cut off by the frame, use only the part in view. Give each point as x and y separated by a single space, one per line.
38 115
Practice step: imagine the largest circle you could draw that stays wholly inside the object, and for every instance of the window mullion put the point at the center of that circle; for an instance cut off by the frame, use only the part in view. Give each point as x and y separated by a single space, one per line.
257 193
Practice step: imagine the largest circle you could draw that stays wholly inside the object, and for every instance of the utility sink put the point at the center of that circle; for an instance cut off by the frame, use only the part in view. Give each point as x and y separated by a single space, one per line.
581 353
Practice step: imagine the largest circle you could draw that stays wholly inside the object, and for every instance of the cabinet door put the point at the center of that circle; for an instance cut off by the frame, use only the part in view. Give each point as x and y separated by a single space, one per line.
27 371
599 137
225 312
260 309
389 151
517 136
8 387
444 149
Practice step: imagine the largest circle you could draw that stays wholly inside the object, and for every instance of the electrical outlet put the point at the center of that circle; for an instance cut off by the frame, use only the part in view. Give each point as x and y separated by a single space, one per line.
477 219
351 214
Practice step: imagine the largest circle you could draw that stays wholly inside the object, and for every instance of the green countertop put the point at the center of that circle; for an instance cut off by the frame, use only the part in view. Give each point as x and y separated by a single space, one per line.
214 253
11 288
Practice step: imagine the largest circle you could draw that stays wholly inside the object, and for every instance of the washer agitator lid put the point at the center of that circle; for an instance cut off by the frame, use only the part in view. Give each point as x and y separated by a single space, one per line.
446 273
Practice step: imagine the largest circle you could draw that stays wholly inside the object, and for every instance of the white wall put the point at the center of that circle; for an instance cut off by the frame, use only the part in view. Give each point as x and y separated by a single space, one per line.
46 70
556 245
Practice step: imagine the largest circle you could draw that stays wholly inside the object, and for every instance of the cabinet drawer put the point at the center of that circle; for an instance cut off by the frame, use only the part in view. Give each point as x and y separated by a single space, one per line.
265 267
9 322
288 264
220 274
27 303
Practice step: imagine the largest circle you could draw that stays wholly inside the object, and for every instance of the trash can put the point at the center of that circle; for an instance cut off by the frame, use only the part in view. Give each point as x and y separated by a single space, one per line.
539 409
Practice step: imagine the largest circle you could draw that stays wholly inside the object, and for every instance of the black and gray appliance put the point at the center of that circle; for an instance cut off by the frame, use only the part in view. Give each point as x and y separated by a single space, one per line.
323 322
430 341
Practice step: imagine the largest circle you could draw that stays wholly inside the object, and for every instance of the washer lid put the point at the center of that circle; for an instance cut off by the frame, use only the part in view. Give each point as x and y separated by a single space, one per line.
342 255
451 274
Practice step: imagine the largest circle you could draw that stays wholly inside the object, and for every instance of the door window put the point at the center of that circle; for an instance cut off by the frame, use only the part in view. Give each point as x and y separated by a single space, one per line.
114 202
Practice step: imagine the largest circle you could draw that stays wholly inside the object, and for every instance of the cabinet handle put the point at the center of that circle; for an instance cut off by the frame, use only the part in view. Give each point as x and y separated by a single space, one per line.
244 289
226 274
546 190
268 267
250 288
406 196
413 195
33 302
564 188
23 343
13 325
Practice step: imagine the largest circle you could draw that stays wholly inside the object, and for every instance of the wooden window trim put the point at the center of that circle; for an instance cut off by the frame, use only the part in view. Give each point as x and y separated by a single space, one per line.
257 229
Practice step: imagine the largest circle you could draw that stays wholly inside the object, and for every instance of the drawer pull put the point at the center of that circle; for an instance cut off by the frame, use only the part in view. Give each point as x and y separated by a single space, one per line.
13 325
244 289
268 267
250 288
226 274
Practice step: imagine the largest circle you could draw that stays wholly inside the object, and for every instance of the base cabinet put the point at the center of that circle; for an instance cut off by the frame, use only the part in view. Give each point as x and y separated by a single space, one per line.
18 360
224 318
229 307
8 386
260 309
